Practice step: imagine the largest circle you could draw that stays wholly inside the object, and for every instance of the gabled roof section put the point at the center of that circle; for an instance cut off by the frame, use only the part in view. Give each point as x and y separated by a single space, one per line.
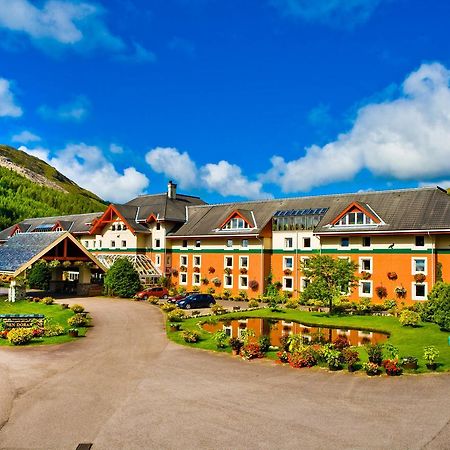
24 249
244 214
358 206
125 213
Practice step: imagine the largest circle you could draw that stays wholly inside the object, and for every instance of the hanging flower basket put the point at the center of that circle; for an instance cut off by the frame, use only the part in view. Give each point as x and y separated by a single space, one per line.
216 282
227 270
253 285
392 275
211 269
243 271
419 277
197 269
365 275
183 268
287 271
175 272
400 292
381 291
205 280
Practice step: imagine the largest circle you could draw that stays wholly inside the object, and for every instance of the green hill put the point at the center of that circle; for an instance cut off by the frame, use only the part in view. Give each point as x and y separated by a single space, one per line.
29 187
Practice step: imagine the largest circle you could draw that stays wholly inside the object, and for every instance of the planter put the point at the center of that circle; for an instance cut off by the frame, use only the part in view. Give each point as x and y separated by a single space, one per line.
73 333
334 368
410 365
431 366
174 328
235 352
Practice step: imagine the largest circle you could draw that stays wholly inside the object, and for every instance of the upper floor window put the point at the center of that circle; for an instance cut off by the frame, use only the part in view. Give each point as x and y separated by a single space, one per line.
113 244
236 223
184 243
244 243
183 260
230 243
288 242
86 244
345 242
420 241
158 226
355 218
198 243
157 243
113 227
307 242
124 243
119 227
366 241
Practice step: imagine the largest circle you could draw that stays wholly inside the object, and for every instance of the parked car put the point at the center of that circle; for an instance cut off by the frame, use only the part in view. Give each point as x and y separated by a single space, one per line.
196 301
157 291
178 297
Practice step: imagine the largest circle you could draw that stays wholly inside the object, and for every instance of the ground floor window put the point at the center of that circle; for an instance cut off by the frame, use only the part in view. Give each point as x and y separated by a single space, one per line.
304 283
158 260
183 278
196 279
243 282
288 283
365 288
419 291
228 281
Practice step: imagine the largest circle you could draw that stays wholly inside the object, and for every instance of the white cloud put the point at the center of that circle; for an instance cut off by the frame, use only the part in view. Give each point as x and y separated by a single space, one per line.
88 167
25 137
346 13
76 110
138 55
225 178
63 22
8 106
116 149
407 138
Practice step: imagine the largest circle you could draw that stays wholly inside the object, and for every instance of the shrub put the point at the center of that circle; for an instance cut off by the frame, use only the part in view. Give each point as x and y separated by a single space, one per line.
371 368
77 308
430 354
283 356
226 294
292 304
176 315
122 279
409 318
341 342
39 276
351 357
48 300
303 358
220 338
253 303
218 309
284 342
391 351
236 344
20 336
375 353
392 367
78 320
439 305
390 304
210 290
54 330
167 307
191 336
251 350
153 300
264 343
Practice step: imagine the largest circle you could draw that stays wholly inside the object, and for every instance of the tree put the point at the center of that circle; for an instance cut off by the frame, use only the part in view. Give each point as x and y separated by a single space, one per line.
438 305
39 276
329 278
122 279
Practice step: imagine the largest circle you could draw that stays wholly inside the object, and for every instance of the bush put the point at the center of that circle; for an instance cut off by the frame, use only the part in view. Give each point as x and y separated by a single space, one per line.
264 343
389 304
371 368
39 276
439 305
54 330
392 367
351 356
253 303
78 320
191 336
77 308
236 344
122 279
218 309
409 318
167 307
176 315
375 353
153 300
341 342
220 338
20 336
251 350
291 303
303 358
430 354
48 300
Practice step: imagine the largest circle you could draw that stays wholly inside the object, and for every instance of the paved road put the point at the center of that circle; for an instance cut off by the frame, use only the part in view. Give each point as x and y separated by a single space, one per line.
126 387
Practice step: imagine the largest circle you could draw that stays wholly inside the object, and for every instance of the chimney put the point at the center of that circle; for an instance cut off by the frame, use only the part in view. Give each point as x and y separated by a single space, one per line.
172 190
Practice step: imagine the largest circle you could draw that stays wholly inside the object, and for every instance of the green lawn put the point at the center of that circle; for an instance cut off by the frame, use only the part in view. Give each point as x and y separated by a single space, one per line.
54 312
409 341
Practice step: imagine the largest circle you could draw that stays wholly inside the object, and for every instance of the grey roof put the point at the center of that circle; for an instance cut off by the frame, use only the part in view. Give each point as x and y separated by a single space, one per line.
407 209
75 223
22 247
162 207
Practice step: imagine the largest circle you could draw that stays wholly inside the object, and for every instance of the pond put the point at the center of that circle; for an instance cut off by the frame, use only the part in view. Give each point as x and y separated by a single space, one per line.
276 329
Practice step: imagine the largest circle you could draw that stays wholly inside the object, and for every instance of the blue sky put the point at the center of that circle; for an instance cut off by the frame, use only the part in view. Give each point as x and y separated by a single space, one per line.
231 99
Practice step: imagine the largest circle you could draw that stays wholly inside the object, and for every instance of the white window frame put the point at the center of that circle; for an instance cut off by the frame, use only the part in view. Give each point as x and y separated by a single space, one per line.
199 260
413 290
123 242
225 262
345 246
183 275
156 243
360 289
286 247
310 242
413 265
367 258
181 260
241 266
285 266
158 260
285 288
229 241
225 285
424 241
196 279
302 280
245 247
86 244
370 242
113 244
241 286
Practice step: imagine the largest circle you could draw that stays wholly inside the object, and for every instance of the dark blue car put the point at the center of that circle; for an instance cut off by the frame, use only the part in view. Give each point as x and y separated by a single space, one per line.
196 301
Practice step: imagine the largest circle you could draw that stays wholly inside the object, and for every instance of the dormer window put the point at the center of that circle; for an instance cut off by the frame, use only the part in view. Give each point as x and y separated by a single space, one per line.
236 223
355 218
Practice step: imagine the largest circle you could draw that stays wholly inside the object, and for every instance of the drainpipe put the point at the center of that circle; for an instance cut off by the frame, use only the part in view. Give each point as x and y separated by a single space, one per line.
262 264
297 287
432 261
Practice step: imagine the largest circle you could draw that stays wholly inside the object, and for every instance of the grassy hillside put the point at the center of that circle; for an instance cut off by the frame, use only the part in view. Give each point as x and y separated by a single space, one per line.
21 198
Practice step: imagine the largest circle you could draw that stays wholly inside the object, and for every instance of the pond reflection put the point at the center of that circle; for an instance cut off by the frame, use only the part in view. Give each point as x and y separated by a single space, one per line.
276 329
